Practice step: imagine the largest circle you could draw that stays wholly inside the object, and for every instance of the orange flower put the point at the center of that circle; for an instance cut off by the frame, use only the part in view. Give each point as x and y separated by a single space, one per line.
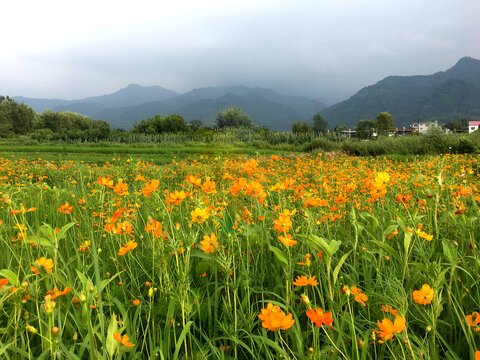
307 261
22 210
3 282
238 185
357 293
176 197
359 297
424 296
389 309
155 227
387 328
129 246
121 188
45 265
65 208
136 302
150 187
474 321
477 355
119 228
105 181
273 318
287 212
209 242
56 293
319 317
394 233
287 240
208 187
123 340
304 281
193 179
255 189
282 224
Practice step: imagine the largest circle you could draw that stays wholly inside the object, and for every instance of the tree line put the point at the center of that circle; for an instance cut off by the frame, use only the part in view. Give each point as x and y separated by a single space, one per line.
19 119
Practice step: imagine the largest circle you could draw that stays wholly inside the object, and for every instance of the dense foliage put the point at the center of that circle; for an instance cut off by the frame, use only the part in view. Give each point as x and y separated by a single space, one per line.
300 257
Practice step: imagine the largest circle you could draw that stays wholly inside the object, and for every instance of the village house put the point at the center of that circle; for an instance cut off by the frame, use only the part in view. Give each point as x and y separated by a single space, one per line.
473 126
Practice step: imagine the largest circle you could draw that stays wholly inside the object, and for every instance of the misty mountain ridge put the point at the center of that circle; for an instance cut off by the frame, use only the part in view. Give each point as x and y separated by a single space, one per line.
443 96
134 103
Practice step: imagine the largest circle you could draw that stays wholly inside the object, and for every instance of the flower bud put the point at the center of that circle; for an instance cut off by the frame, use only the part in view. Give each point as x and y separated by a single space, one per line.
31 329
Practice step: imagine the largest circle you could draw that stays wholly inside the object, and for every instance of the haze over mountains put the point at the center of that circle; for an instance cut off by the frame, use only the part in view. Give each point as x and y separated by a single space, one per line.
443 96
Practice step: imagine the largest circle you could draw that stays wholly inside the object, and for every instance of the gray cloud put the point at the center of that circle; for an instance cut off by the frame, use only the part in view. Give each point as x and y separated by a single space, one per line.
324 49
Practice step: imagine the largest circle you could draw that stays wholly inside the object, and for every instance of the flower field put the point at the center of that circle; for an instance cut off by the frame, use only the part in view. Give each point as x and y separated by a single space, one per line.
275 257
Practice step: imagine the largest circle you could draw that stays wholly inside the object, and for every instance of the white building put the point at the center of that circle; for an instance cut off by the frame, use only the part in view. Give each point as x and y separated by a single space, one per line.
473 126
421 127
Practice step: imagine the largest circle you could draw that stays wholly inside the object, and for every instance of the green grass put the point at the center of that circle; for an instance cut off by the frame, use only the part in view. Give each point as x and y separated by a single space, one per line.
194 304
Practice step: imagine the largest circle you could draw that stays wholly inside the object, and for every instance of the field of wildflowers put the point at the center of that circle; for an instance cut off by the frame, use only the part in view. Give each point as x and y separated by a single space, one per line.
273 257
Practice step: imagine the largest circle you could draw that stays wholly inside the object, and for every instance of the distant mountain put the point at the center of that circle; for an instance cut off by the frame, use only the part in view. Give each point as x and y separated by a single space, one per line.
265 107
40 105
134 103
131 95
443 96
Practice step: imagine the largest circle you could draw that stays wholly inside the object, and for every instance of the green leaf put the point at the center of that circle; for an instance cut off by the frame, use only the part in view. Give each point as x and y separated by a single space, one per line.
11 276
339 266
449 251
112 344
407 238
105 282
390 250
279 254
318 243
182 336
85 281
47 231
43 242
334 246
63 230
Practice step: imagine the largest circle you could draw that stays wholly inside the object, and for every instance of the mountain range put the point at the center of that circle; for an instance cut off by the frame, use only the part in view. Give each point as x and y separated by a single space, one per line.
443 96
134 103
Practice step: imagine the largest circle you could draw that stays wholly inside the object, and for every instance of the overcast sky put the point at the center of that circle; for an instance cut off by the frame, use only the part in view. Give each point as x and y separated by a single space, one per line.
325 49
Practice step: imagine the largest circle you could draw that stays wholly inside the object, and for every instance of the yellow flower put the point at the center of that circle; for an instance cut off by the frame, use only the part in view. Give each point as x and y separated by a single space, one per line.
382 178
45 264
200 215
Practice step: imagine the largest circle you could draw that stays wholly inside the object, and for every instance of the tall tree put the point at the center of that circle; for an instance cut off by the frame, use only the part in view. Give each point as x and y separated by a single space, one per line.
383 122
364 129
233 117
319 124
300 127
17 117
